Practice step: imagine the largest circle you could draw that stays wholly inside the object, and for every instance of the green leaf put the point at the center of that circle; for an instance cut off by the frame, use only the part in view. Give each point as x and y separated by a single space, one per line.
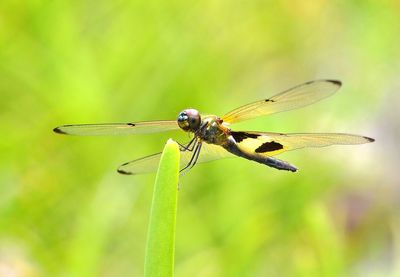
159 259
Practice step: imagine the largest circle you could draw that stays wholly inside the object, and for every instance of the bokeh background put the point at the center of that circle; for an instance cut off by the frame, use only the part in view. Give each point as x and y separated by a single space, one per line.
64 211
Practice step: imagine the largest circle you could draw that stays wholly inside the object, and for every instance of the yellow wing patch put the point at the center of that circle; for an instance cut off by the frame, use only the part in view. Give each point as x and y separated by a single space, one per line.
273 143
252 142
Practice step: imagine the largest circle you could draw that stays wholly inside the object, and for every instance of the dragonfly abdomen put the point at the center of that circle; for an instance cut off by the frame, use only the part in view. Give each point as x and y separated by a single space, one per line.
263 159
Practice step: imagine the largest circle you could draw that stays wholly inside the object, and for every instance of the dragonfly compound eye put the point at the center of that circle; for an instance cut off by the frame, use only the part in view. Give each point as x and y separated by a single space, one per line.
183 121
189 120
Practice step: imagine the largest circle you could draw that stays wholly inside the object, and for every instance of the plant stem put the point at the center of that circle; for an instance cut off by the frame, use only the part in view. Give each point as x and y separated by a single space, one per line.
159 258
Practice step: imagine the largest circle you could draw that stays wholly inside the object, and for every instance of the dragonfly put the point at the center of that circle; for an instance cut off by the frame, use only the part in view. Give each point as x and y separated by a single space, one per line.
213 139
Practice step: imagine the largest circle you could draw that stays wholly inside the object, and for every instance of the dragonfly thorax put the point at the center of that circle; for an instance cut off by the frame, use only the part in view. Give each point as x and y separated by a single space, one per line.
189 120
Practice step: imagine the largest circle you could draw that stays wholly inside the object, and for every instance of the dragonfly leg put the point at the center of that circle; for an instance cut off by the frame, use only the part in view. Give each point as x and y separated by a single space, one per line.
195 155
186 147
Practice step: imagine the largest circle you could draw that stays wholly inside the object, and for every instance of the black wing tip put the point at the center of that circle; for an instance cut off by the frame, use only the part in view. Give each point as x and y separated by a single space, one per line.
59 131
336 82
123 172
369 139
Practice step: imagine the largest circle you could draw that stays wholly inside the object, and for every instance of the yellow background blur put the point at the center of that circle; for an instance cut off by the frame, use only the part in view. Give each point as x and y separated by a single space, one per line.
64 211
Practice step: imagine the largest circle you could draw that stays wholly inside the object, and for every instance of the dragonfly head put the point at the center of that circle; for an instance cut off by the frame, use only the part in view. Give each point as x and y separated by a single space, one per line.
189 120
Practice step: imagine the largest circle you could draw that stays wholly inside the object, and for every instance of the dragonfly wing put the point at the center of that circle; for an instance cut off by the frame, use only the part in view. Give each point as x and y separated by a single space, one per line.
142 165
270 144
297 97
150 163
113 129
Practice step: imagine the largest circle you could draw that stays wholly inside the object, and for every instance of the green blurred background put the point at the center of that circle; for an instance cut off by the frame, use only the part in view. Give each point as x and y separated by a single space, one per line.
64 211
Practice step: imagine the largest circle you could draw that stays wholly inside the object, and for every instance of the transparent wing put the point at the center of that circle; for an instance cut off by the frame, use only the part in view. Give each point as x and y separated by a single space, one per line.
297 97
273 143
149 164
113 129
